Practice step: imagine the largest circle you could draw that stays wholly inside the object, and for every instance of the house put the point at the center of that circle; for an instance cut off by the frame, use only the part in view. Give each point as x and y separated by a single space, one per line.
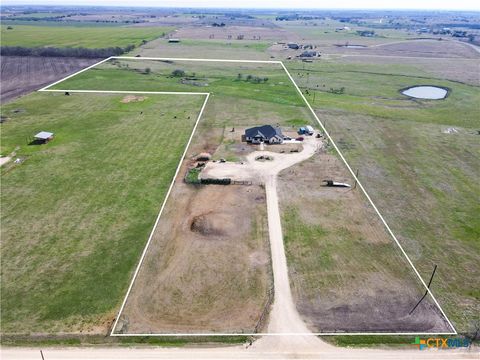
43 136
266 134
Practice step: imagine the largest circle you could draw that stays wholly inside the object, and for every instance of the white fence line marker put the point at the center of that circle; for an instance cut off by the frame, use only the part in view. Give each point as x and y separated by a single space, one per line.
46 88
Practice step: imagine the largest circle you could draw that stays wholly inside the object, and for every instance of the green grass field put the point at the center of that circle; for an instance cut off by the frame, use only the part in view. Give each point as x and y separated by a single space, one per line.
217 77
73 36
423 181
77 212
89 214
421 178
374 90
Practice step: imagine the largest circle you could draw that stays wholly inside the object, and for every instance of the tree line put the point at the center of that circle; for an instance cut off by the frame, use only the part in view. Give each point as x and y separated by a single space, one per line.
64 52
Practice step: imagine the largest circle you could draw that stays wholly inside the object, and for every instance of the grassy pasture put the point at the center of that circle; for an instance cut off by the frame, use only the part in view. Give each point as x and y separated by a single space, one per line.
101 271
374 90
209 49
422 179
73 36
260 46
77 212
217 78
320 31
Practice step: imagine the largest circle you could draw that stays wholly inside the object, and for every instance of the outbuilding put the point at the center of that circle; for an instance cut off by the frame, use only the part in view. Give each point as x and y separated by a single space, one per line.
307 130
43 136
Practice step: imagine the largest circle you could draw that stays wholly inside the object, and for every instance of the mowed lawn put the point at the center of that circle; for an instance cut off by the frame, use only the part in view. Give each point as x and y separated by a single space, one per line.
77 212
73 36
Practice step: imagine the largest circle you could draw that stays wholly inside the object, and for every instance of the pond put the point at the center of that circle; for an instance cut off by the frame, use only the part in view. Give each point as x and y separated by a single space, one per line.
426 92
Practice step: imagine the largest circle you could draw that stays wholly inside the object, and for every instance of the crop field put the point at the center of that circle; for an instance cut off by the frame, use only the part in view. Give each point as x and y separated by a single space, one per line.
74 36
76 212
23 74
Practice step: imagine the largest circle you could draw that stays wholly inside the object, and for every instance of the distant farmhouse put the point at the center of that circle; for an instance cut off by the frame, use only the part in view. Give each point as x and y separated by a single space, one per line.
266 134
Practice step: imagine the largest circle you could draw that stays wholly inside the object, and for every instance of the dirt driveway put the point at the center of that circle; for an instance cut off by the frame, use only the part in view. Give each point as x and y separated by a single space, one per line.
260 171
284 317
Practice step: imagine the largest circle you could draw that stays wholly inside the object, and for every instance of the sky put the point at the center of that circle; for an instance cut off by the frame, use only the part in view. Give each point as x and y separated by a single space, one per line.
299 4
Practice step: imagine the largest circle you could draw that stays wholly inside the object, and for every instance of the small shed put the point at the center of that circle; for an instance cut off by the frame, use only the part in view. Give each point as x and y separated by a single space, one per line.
43 136
173 40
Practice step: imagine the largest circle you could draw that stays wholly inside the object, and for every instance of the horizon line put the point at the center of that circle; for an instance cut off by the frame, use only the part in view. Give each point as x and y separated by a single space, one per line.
244 8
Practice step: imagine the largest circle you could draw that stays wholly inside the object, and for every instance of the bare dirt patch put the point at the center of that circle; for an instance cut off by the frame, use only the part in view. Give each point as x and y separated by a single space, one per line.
132 98
346 273
23 74
207 267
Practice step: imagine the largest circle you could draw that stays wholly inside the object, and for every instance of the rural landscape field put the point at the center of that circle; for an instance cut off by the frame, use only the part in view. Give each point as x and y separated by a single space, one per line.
175 177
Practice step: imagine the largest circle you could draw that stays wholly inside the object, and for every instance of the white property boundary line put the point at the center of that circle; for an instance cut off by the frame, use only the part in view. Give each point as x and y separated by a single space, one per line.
207 95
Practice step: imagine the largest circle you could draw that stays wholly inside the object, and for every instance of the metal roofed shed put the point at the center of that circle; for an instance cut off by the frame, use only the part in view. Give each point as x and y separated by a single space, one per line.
43 136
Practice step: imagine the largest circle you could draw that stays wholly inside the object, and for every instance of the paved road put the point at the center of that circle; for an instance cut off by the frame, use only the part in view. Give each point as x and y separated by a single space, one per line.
236 352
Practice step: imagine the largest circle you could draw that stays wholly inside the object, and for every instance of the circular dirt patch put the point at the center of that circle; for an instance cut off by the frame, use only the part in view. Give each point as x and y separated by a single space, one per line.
208 224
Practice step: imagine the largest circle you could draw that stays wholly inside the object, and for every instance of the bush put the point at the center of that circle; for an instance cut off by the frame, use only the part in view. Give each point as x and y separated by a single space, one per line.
178 73
192 176
225 181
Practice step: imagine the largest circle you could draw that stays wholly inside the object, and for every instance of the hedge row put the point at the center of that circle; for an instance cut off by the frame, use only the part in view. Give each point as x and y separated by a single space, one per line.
225 181
64 52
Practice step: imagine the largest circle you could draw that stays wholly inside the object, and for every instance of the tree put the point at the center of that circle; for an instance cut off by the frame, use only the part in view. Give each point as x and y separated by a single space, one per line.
147 71
178 73
239 77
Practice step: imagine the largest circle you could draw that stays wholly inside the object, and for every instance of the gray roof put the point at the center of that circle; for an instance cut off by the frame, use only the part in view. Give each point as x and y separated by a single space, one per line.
265 131
43 135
